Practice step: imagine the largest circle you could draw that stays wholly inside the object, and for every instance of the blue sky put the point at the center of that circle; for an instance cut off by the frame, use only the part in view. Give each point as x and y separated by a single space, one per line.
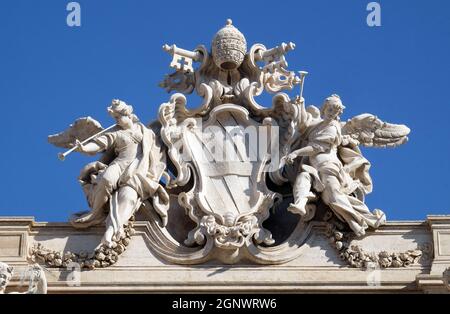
52 74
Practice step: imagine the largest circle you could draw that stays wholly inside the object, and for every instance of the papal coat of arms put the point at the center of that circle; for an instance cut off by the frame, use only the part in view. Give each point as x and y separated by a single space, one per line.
229 162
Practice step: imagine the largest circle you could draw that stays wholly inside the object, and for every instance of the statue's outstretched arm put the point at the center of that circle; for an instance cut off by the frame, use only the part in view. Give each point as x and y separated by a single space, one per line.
90 148
309 150
305 151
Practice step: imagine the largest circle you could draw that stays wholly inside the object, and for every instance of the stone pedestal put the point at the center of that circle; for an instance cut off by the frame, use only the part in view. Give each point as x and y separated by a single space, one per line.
317 269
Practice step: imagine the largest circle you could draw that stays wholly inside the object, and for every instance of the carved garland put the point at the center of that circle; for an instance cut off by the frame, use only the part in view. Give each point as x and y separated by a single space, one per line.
356 257
102 257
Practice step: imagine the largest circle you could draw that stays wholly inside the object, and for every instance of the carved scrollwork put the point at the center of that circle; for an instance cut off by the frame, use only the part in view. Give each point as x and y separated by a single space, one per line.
277 78
230 235
174 118
229 231
179 81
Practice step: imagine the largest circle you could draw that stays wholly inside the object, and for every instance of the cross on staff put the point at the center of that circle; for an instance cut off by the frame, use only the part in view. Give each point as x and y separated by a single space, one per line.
182 58
181 63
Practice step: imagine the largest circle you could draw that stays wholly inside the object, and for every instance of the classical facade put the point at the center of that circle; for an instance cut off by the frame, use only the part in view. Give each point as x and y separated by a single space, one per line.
228 195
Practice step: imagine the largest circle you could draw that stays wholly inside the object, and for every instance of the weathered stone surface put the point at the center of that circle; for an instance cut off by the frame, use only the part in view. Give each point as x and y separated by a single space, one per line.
231 195
318 267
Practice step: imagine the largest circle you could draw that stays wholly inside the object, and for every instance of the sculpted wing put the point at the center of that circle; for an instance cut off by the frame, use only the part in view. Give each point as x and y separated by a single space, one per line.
81 129
370 131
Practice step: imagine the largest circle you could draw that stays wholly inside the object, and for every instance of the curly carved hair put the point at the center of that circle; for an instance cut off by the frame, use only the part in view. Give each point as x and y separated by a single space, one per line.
335 102
119 107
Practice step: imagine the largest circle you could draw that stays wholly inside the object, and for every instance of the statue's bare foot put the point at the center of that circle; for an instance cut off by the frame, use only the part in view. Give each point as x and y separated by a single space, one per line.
310 212
295 209
360 232
302 208
107 243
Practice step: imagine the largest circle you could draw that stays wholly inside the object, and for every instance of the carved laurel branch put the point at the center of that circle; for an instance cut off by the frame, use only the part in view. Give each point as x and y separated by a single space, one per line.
356 257
102 257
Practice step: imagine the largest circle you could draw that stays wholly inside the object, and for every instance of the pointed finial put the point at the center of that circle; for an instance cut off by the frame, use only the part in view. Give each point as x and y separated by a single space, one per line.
229 22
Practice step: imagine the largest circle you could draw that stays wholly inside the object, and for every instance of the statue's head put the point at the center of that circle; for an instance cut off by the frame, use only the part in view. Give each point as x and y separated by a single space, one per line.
5 275
229 47
122 113
332 108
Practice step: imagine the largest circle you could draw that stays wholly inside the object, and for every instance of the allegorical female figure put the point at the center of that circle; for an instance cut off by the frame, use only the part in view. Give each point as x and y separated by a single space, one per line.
332 165
126 176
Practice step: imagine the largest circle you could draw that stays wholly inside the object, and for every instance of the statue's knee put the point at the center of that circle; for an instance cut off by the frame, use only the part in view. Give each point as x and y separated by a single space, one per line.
329 195
305 176
107 185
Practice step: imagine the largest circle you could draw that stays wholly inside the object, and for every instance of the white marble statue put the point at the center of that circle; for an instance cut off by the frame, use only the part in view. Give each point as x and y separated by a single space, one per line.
37 279
330 163
219 155
229 68
127 175
5 276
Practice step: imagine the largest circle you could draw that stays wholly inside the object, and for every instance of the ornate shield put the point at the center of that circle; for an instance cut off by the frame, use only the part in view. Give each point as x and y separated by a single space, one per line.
228 154
224 151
